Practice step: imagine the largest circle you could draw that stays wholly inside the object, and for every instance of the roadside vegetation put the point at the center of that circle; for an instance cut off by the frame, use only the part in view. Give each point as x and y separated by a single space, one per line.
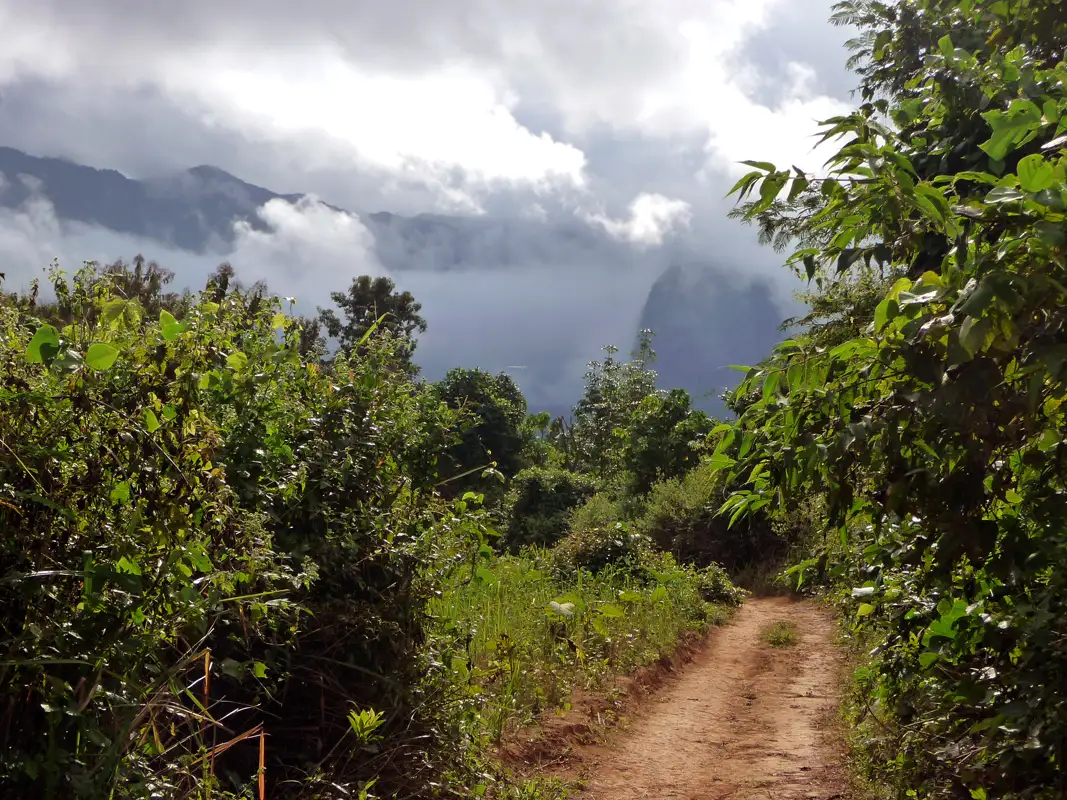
921 402
236 562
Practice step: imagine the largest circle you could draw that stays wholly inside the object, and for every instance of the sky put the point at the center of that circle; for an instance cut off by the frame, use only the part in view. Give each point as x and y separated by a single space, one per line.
630 116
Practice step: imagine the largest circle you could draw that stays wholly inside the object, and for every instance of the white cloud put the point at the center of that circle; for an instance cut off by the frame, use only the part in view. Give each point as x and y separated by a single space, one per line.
783 134
652 218
432 123
309 250
436 93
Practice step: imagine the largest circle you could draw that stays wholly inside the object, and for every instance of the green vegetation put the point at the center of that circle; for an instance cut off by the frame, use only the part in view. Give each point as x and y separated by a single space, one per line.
537 631
921 403
234 564
780 634
231 560
538 508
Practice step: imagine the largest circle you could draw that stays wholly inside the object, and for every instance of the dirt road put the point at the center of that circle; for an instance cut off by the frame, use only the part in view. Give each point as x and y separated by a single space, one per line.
744 720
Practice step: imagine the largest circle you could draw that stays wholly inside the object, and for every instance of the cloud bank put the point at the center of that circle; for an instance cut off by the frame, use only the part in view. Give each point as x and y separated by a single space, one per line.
615 125
541 323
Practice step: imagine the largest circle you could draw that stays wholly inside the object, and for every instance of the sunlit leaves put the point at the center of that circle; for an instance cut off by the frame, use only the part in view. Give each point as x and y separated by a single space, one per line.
121 492
44 345
101 356
151 421
151 458
169 327
1012 128
237 361
1035 173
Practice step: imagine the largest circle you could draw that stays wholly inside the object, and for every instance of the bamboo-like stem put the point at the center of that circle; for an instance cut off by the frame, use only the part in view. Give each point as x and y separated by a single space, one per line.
262 765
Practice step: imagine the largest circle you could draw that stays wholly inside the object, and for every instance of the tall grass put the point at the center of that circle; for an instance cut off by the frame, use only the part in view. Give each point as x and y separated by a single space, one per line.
529 637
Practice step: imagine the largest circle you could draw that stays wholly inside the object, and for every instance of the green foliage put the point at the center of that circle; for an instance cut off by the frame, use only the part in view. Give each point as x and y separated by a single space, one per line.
371 304
219 552
934 433
681 516
203 534
625 431
496 435
598 540
663 441
539 505
780 634
715 586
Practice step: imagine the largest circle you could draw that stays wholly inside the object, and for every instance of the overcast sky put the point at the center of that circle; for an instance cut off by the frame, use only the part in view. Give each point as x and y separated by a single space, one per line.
631 115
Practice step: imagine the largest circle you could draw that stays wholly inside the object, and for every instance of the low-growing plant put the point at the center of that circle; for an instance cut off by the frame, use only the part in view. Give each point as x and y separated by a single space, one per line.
780 634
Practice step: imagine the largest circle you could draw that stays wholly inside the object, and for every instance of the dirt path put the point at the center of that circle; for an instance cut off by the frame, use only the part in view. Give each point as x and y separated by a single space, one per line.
743 721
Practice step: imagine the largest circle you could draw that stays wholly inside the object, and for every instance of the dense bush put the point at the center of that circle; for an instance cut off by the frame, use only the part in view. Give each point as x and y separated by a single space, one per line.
715 586
926 407
205 539
682 517
599 539
539 504
592 549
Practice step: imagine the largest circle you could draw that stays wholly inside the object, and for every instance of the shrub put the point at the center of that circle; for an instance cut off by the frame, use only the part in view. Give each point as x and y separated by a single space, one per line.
716 587
598 537
681 516
594 549
599 512
192 517
539 505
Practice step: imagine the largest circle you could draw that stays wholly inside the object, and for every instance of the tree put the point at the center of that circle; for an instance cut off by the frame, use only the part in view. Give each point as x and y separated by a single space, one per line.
495 432
613 391
367 301
540 503
935 431
663 439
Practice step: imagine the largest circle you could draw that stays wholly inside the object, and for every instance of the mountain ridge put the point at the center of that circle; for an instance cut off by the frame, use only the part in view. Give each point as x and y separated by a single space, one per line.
703 319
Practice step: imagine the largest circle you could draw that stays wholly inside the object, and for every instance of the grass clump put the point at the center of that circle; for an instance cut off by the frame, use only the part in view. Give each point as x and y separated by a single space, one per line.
781 634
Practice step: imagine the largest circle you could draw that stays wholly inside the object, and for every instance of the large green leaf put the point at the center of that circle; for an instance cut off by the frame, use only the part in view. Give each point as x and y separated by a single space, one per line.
1035 173
237 361
101 356
44 345
169 327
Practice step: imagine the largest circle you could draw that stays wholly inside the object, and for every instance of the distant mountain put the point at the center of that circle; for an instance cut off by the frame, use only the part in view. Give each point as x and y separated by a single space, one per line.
703 322
190 210
703 325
